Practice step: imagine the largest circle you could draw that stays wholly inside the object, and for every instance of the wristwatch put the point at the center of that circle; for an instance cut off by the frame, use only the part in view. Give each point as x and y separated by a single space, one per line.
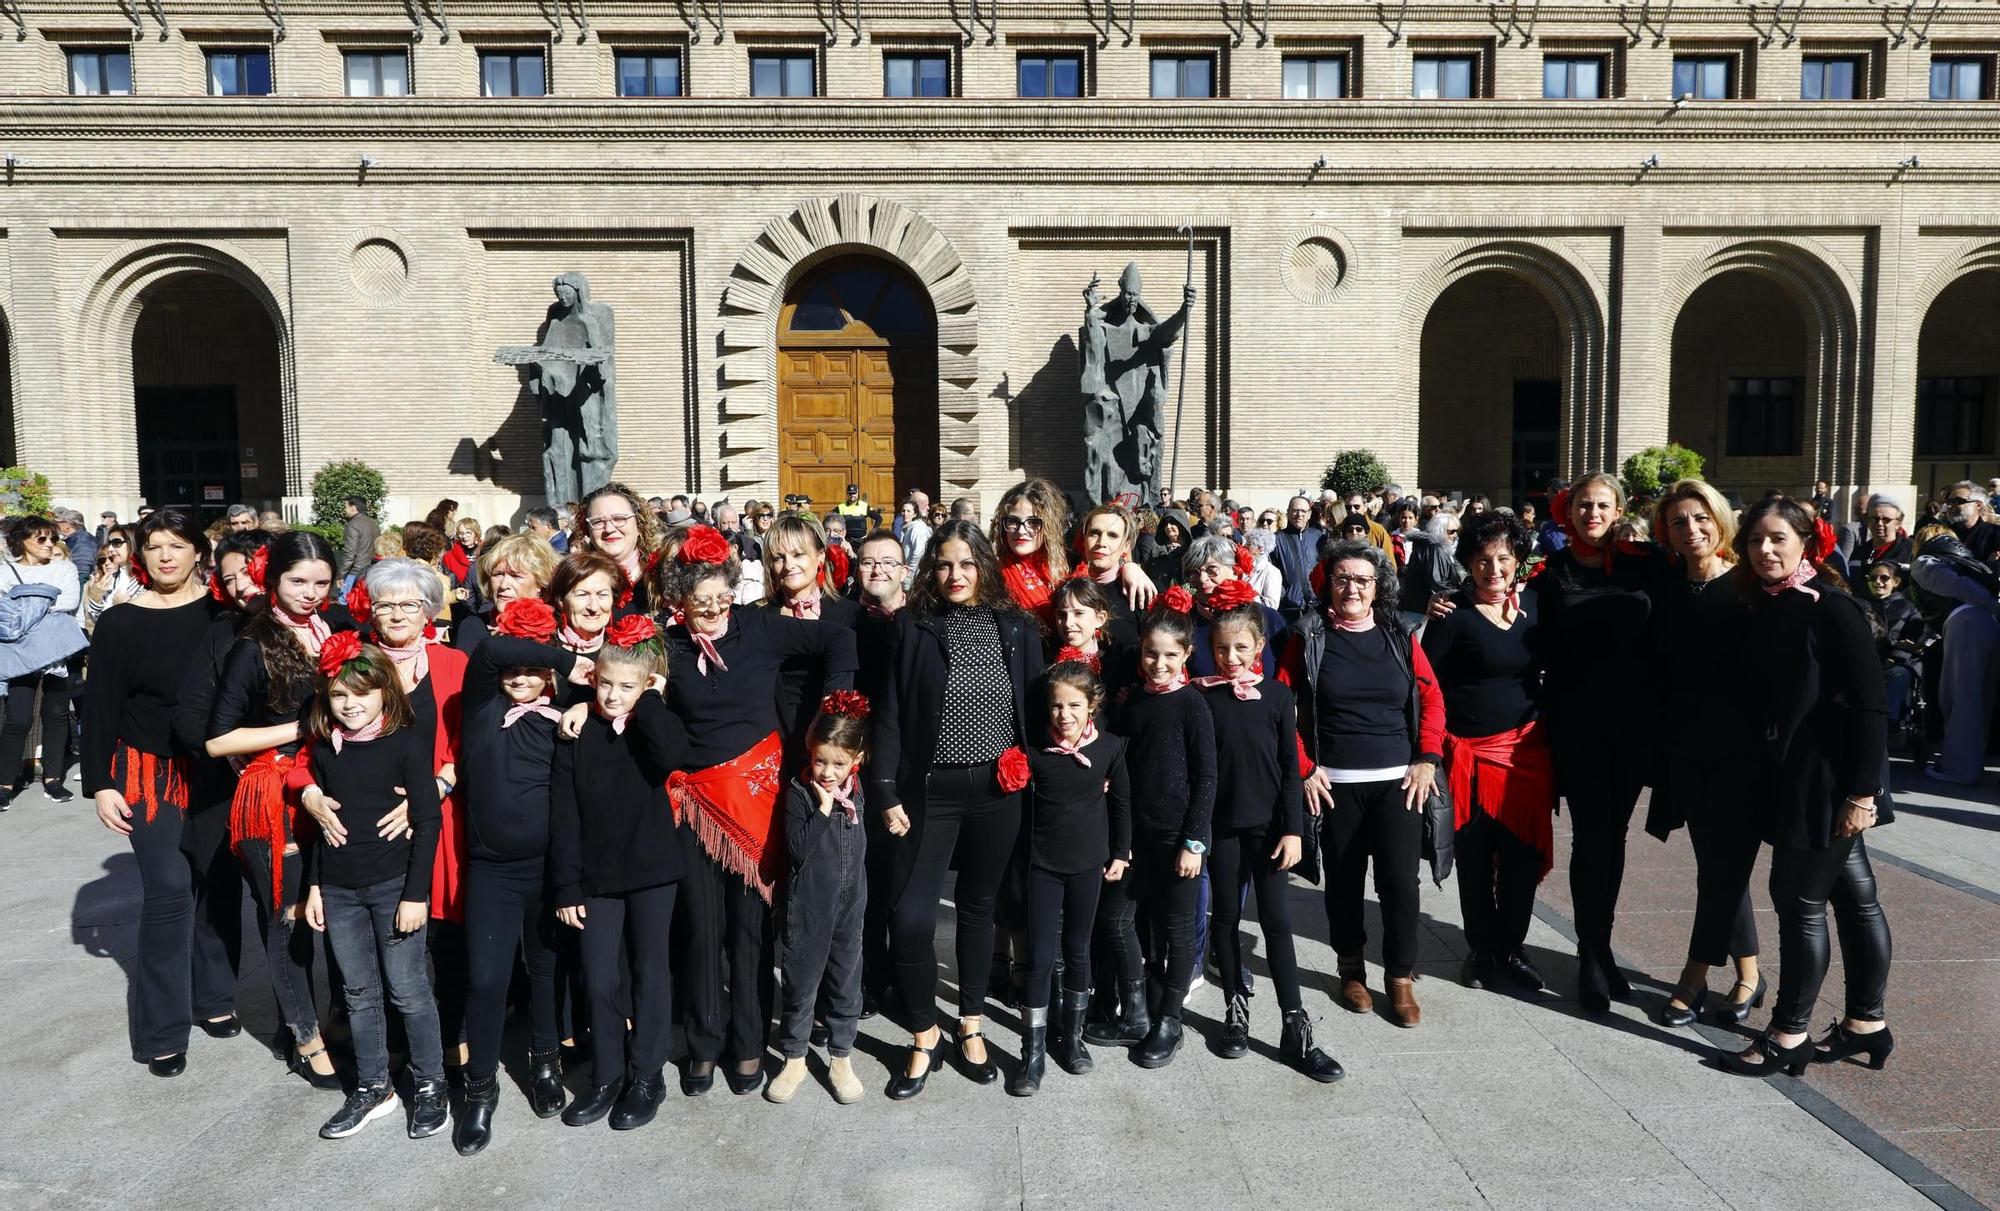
1194 847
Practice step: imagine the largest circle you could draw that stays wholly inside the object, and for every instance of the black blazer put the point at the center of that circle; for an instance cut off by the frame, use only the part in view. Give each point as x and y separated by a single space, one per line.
912 702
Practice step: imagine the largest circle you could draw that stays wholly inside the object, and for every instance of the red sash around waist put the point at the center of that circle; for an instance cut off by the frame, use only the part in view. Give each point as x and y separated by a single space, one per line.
150 780
261 811
734 810
1511 777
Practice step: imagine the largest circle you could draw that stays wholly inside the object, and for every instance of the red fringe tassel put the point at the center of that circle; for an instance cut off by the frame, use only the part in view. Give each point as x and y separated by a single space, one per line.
150 780
261 811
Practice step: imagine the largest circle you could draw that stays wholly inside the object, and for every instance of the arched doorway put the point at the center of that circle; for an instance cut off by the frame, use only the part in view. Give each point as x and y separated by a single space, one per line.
207 396
1493 362
1958 371
1743 390
857 384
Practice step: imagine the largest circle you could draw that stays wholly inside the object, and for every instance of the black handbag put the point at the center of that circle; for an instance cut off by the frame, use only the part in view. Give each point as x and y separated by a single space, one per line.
1439 845
1308 866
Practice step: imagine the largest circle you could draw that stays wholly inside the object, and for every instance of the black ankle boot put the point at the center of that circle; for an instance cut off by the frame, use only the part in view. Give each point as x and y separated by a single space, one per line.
1234 1042
430 1107
474 1129
1163 1042
1593 990
640 1101
1134 1023
1066 1039
1296 1048
593 1105
1034 1053
546 1093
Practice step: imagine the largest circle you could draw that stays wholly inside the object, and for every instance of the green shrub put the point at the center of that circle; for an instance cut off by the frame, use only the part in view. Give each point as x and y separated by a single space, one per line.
1651 470
23 493
1354 471
335 482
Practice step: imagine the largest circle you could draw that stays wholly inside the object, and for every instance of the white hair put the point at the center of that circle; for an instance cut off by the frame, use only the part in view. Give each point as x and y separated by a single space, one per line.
394 577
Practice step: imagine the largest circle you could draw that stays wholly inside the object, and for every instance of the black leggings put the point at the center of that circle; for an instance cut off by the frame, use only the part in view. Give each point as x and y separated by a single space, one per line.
1803 883
1061 908
1240 860
1725 853
20 715
1497 876
445 942
1369 819
1600 812
723 919
1153 896
963 815
190 933
506 909
288 940
639 926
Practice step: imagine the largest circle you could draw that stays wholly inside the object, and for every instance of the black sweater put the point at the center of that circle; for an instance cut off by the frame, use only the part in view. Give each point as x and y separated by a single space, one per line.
1364 698
504 772
139 659
1082 817
363 778
805 678
611 829
727 714
1491 677
1170 756
1595 624
1257 781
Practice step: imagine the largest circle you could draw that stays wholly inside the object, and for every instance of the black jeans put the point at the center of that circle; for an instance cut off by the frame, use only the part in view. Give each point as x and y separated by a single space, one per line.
1497 876
20 715
445 939
1600 813
1153 896
361 925
1369 819
964 816
638 925
1803 883
507 908
1236 861
288 940
878 959
825 903
190 933
724 919
1725 853
1061 909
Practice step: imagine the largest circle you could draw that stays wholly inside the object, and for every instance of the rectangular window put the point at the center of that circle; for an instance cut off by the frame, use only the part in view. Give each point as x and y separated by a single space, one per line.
239 73
650 73
1447 77
786 75
512 73
1183 75
916 75
1951 417
1705 77
100 72
1315 77
1763 417
1831 78
1049 76
1959 79
373 73
1573 77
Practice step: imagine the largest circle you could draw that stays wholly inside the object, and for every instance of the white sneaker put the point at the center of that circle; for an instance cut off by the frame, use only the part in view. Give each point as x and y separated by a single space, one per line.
1194 986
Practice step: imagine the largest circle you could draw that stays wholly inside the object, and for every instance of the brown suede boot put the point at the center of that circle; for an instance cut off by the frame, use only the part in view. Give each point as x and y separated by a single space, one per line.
1403 1001
1354 985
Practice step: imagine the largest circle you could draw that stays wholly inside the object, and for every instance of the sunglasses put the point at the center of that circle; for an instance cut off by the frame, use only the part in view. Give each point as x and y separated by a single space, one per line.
1015 525
114 542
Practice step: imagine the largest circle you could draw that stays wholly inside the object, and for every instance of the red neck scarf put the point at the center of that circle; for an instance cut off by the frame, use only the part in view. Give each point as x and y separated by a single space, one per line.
1076 750
805 605
1509 600
876 609
705 645
1882 550
1243 685
1342 624
310 630
1092 658
367 731
411 657
522 710
1180 679
569 638
1797 580
1028 581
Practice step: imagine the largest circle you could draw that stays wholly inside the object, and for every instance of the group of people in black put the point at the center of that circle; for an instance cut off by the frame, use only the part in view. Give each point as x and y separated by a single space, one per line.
683 817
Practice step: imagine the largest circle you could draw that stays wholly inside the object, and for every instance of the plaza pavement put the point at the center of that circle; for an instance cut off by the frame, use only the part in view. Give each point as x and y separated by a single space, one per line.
1495 1101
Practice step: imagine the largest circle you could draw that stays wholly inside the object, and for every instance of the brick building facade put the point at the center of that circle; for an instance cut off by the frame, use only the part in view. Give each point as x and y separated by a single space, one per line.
1483 240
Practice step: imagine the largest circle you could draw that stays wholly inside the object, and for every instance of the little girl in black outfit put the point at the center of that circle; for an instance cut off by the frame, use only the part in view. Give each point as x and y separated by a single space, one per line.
1080 838
826 898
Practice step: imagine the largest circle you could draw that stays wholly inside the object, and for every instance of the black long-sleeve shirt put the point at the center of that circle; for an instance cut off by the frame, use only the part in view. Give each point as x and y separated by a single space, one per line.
1257 781
504 772
363 778
804 679
1170 756
139 659
243 699
1082 816
1491 678
611 828
727 713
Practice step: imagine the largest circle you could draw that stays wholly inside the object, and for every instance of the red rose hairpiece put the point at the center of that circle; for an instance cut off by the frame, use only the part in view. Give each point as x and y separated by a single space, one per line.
528 618
1246 560
1011 771
339 649
359 605
215 586
631 631
703 544
836 565
1177 599
852 703
258 567
1230 594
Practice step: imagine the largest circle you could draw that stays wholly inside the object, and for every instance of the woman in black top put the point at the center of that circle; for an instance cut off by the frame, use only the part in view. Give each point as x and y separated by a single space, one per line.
1081 839
1821 704
803 580
965 659
140 776
725 667
1899 635
1700 624
1595 605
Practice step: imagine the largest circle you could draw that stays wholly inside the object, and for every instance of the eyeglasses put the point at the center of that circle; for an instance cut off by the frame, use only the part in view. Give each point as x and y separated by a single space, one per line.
1352 582
880 565
408 609
41 538
114 542
1956 501
1016 525
721 601
615 521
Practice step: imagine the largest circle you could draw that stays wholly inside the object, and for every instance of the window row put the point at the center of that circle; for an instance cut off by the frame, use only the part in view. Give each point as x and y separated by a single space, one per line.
1763 418
246 72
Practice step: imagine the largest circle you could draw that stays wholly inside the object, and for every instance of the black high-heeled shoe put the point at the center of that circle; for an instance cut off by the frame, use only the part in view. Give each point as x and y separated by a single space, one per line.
1685 1013
302 1064
903 1087
227 1028
984 1072
1840 1043
1734 1013
1765 1058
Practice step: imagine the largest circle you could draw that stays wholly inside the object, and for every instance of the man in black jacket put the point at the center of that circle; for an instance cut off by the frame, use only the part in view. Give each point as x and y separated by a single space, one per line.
1296 555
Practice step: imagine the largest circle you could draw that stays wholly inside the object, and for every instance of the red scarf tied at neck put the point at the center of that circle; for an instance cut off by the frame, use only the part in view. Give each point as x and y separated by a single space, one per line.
1797 580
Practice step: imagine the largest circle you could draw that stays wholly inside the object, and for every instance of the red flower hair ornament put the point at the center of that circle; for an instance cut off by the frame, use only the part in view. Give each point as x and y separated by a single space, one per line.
339 650
1177 599
632 631
836 565
852 703
1230 594
359 605
258 567
1011 771
528 618
1093 663
1246 560
703 544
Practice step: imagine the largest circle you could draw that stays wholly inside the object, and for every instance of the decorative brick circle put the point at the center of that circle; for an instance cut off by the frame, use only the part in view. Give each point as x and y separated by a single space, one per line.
1316 266
379 268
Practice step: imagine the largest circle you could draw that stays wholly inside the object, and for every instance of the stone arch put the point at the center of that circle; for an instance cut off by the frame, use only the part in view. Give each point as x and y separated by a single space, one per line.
1971 256
1581 305
107 316
1956 310
813 232
1831 300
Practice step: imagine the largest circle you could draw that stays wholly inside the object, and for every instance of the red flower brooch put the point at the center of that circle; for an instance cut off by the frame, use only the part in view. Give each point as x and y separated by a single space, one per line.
852 703
703 544
528 618
1012 770
1177 599
338 650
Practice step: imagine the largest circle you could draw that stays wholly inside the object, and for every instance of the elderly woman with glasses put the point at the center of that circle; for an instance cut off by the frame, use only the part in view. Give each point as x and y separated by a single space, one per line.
36 556
1886 537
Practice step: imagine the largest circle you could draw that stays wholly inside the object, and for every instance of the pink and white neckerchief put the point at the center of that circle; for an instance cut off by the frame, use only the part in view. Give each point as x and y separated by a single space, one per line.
1508 601
805 605
1180 680
367 731
412 657
705 646
629 562
875 609
1243 684
1364 623
569 638
312 630
617 722
521 710
844 795
1797 580
1109 576
1083 741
